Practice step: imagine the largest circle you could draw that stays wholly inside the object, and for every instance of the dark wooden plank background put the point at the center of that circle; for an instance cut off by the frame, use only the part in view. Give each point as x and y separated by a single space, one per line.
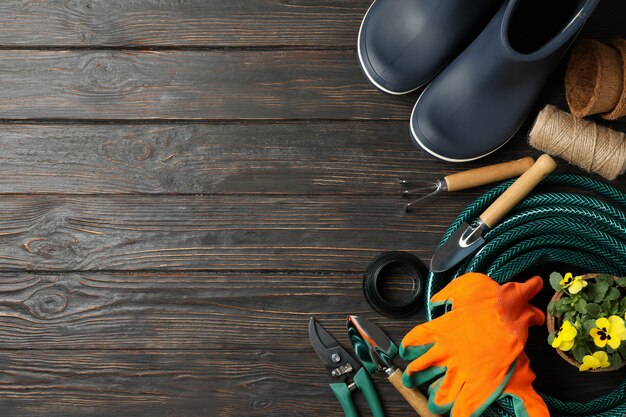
184 183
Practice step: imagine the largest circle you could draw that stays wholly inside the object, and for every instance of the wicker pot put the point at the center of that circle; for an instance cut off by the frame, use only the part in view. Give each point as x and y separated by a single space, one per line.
554 323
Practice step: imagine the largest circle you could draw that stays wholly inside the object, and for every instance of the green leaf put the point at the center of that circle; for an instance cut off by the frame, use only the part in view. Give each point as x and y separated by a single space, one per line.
581 306
597 291
607 307
594 310
623 303
614 307
621 282
555 278
613 294
588 325
551 308
584 336
561 310
616 360
551 337
563 301
606 279
570 316
563 305
579 351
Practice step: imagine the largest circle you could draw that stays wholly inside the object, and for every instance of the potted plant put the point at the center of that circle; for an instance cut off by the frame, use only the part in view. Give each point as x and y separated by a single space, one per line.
586 320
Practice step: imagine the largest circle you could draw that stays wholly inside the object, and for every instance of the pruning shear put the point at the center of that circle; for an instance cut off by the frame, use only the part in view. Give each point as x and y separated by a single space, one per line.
344 372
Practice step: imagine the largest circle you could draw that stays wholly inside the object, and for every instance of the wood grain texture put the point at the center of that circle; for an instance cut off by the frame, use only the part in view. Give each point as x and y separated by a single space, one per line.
238 311
208 23
167 384
209 232
215 85
211 85
188 23
216 311
123 383
226 85
186 182
178 344
284 158
315 158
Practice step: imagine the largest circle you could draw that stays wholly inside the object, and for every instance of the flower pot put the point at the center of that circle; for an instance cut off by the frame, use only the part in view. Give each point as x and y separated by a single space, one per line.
554 322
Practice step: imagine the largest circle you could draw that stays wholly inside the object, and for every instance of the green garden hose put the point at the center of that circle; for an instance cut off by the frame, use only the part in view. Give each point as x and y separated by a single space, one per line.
579 230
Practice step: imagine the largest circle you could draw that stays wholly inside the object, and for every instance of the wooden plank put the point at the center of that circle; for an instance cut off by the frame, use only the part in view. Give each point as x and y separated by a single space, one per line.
190 23
210 85
174 310
211 232
318 158
232 344
209 383
324 233
168 384
251 158
202 23
215 85
197 85
252 312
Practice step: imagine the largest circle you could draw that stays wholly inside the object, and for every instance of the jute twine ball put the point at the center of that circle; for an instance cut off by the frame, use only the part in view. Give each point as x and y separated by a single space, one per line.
583 143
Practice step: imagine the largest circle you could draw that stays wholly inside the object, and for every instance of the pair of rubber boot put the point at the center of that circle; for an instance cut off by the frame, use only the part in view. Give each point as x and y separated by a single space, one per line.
488 61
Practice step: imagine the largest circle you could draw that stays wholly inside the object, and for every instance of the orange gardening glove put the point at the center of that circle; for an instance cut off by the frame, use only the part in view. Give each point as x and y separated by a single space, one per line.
526 401
475 345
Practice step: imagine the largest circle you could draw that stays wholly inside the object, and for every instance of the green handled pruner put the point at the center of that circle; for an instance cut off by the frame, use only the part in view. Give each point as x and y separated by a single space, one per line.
345 373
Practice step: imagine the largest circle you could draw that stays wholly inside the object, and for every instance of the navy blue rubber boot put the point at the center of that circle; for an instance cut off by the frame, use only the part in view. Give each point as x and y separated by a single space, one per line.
480 100
404 43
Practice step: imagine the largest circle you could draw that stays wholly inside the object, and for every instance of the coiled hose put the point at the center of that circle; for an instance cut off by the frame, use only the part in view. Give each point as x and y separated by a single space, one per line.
571 228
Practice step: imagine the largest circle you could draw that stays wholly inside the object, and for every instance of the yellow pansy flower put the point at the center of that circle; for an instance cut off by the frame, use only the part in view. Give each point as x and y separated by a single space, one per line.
598 360
564 337
609 331
572 284
618 326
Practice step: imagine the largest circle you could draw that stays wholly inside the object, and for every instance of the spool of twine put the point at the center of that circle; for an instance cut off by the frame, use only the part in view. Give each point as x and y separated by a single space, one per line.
585 144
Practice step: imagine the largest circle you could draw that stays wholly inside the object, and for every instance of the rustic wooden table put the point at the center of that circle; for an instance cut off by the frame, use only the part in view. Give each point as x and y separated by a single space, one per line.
186 182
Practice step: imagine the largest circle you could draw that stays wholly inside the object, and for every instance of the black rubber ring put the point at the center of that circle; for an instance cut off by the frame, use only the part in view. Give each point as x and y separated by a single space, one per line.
373 274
